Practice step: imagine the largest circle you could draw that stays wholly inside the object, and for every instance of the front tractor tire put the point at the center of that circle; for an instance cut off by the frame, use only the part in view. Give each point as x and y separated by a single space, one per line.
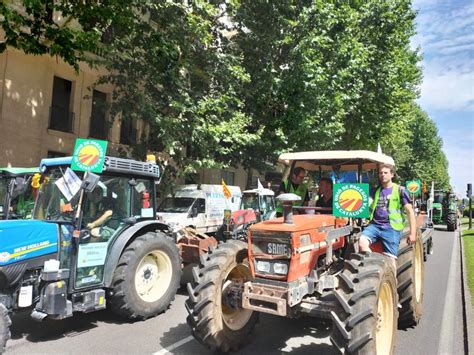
365 314
214 322
5 324
147 277
410 281
451 222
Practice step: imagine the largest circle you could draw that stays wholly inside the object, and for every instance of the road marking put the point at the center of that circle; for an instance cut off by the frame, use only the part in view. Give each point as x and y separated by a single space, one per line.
446 339
170 348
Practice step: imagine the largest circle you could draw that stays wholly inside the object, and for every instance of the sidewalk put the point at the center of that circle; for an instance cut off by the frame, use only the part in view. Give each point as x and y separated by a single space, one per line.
468 309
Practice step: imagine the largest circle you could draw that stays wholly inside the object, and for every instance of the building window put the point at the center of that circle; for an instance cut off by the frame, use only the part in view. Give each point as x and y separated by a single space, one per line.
128 131
53 154
99 127
61 118
228 177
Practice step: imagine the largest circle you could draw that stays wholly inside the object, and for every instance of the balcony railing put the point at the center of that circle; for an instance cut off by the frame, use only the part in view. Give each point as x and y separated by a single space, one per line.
61 119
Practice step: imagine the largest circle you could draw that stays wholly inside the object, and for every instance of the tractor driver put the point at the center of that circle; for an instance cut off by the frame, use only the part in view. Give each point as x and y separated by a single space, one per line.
295 186
386 219
100 209
325 195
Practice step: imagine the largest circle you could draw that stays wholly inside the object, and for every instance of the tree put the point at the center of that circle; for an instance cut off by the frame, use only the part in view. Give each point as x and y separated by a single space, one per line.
326 75
68 29
173 72
426 160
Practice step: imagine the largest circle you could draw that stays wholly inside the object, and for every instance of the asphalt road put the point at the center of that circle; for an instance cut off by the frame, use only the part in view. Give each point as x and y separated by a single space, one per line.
439 332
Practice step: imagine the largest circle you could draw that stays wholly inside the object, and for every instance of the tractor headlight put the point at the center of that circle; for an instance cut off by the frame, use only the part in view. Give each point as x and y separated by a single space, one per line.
280 268
263 266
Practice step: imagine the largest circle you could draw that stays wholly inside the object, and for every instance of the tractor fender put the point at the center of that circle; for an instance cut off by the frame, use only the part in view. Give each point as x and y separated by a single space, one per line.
123 240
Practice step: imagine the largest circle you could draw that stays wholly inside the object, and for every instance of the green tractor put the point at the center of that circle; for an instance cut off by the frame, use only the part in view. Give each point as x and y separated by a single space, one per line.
445 209
17 194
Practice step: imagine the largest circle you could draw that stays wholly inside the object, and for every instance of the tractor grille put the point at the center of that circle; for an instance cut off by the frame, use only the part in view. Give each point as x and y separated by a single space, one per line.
120 165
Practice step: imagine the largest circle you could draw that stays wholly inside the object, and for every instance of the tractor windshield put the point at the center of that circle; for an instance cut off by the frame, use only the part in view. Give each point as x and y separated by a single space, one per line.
51 203
176 204
249 201
439 198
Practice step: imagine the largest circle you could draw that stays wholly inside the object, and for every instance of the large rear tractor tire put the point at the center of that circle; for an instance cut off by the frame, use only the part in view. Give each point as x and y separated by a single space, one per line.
365 315
147 277
410 280
5 324
451 222
215 322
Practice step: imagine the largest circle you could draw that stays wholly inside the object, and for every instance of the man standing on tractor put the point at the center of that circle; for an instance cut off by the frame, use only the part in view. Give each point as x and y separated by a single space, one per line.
386 219
295 186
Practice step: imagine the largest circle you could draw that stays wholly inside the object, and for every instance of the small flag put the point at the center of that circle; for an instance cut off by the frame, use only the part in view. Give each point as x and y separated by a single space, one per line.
226 190
259 185
379 148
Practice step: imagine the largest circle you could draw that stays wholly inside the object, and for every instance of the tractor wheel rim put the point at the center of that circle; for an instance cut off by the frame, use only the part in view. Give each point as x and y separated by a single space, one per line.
418 273
153 276
384 320
235 319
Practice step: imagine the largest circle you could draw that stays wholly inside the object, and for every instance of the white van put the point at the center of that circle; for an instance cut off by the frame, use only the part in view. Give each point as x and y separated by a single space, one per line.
199 206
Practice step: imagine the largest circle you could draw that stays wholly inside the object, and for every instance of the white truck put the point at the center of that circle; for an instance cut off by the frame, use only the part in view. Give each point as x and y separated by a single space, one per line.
198 206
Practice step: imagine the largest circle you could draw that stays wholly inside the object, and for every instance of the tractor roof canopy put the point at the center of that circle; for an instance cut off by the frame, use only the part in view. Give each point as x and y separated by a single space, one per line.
112 164
18 171
336 160
262 192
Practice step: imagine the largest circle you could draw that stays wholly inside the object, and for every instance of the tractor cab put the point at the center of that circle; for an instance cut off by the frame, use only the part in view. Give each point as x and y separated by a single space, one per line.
17 192
262 201
94 209
256 205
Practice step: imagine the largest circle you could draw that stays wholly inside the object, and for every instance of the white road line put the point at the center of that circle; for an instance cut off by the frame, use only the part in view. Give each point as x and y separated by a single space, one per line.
170 348
446 338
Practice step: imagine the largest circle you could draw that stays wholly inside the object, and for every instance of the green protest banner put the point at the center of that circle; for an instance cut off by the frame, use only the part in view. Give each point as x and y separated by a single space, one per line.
351 200
89 155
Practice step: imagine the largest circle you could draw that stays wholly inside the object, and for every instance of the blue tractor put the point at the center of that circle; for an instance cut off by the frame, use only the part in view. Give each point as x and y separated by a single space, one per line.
94 242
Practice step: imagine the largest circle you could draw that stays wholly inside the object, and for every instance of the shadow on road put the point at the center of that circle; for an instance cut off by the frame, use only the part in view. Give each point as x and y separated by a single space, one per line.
23 326
272 335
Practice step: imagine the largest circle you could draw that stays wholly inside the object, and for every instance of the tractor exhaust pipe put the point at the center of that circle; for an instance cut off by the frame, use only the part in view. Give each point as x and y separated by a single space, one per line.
287 201
288 213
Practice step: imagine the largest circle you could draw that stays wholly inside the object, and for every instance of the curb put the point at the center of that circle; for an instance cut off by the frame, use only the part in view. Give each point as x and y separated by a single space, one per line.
467 305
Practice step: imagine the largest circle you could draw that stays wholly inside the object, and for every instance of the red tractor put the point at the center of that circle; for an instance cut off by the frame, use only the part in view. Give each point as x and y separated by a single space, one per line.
256 205
308 264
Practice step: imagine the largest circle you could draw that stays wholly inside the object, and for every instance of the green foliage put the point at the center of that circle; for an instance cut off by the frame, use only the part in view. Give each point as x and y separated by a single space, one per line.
327 75
426 160
67 29
468 243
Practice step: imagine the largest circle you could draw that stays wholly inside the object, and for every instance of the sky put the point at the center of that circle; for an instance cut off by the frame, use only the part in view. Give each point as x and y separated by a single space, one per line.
445 35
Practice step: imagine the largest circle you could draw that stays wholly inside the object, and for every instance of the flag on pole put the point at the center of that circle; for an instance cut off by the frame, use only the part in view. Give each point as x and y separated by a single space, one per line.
259 186
226 190
379 148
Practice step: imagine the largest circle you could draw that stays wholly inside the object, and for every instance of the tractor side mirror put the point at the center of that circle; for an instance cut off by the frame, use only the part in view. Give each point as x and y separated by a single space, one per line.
85 234
194 212
90 181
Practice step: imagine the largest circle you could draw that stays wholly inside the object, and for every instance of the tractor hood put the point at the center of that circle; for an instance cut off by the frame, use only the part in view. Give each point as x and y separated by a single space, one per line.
244 216
21 240
301 223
